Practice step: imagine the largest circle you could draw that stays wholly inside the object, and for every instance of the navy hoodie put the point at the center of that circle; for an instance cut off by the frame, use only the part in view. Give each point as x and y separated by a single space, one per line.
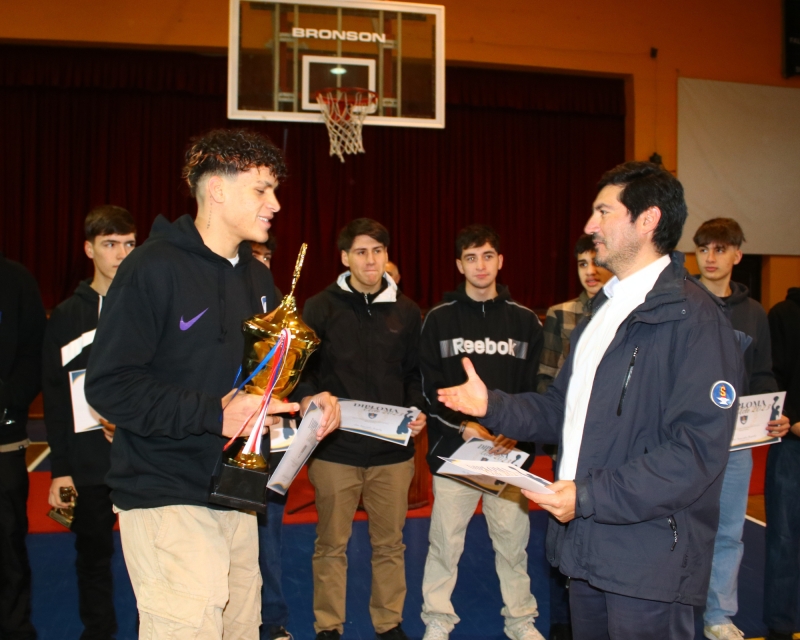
167 349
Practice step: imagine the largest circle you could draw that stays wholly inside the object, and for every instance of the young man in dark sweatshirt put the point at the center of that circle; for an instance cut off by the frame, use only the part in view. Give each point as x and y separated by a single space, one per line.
504 340
81 460
369 351
165 357
782 487
22 322
718 243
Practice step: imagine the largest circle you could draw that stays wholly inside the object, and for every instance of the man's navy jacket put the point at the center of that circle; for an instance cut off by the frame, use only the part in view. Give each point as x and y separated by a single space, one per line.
654 448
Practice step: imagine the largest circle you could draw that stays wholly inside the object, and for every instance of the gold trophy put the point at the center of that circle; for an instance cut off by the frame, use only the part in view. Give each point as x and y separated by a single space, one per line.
241 478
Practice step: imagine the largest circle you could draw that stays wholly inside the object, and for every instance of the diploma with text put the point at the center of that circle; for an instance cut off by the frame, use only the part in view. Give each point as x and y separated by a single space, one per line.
477 450
382 421
503 471
299 451
752 418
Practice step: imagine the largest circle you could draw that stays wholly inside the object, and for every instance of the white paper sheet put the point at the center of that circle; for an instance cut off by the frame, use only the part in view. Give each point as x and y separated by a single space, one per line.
298 452
382 421
83 416
751 420
477 449
503 471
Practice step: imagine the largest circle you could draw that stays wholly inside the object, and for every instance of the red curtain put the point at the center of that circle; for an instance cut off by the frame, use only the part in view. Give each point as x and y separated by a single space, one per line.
520 151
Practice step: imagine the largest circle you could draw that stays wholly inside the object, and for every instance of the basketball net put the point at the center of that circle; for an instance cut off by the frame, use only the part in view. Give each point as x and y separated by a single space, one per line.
344 110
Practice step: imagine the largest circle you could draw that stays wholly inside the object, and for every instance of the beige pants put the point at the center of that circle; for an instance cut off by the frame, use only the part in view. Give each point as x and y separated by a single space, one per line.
384 490
194 571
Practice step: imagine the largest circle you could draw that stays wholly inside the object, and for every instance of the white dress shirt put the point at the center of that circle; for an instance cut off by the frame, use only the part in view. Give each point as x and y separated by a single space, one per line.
623 297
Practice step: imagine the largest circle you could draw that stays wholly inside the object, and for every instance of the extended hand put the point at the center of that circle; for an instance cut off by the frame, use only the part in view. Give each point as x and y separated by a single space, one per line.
471 398
418 424
561 503
778 428
331 412
502 444
54 497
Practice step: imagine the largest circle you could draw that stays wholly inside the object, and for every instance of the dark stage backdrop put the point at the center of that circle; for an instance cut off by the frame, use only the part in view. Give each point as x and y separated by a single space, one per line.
521 151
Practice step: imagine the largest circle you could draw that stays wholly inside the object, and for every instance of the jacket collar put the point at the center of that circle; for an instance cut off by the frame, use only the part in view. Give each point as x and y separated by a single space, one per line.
389 294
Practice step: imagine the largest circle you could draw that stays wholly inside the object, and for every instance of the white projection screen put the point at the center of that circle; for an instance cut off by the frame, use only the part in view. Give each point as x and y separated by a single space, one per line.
739 157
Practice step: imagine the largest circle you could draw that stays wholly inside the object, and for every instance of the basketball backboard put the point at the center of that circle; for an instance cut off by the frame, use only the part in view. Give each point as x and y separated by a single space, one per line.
281 53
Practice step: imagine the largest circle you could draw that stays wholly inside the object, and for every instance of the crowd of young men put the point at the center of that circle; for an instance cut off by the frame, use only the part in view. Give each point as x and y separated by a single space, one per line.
635 381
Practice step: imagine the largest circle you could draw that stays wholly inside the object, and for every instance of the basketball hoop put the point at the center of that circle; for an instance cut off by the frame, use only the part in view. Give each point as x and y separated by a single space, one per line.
344 110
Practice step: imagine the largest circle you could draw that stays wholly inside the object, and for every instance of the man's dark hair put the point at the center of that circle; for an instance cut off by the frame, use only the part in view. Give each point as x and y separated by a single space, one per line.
106 220
476 235
648 185
720 231
229 151
585 243
362 227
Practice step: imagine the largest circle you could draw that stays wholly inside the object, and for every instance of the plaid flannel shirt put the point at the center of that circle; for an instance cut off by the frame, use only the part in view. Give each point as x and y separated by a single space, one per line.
558 325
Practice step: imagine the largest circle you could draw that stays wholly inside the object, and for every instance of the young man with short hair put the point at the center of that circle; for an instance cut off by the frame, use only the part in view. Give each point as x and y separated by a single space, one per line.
563 318
166 354
504 340
718 248
644 411
369 351
81 460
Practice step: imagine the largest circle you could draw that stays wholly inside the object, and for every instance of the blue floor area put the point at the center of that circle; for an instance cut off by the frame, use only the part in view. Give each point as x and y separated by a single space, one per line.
476 598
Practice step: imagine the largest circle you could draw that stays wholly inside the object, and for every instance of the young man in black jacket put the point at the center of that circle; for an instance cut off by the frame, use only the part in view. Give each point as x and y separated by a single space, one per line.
644 411
505 343
166 354
782 487
22 322
369 351
80 460
718 243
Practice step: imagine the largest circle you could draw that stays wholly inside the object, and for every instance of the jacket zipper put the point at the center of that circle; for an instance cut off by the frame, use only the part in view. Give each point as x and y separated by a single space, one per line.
366 301
627 380
674 526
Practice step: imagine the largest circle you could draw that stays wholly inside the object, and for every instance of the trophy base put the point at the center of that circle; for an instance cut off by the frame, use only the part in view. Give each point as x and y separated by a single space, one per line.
237 487
64 519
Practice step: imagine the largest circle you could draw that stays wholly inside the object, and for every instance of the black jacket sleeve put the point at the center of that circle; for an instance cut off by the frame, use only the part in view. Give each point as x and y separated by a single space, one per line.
762 380
411 373
57 399
785 357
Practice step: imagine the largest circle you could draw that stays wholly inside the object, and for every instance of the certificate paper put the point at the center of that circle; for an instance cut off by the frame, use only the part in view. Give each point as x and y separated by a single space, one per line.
751 421
382 421
298 452
83 416
282 434
477 450
503 471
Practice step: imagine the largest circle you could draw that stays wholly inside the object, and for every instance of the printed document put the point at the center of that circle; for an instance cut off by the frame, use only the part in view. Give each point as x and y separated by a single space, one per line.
751 421
477 449
503 471
299 451
382 421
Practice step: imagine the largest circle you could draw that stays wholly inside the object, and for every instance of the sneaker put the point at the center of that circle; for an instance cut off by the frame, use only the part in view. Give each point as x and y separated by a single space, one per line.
396 633
436 631
279 633
723 632
560 631
330 634
524 631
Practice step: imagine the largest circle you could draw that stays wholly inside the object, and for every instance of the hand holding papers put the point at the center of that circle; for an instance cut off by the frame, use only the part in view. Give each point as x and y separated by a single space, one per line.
755 412
504 471
381 421
298 452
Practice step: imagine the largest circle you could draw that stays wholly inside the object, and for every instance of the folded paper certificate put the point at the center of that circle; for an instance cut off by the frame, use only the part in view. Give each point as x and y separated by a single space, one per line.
382 421
282 434
477 449
298 452
751 421
83 416
504 471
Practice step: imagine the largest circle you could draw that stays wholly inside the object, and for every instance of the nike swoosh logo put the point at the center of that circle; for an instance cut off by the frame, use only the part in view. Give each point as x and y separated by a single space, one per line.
187 324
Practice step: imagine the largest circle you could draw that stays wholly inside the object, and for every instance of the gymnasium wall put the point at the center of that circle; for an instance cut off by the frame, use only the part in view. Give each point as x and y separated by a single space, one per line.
730 40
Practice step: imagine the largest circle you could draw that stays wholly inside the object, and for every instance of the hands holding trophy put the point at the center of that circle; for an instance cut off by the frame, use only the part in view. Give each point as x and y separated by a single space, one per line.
277 347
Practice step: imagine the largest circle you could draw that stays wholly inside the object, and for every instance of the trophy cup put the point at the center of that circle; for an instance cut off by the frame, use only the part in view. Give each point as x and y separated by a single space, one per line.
276 348
66 515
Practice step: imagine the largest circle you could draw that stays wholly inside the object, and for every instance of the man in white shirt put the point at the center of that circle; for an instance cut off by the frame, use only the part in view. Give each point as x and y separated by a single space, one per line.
644 410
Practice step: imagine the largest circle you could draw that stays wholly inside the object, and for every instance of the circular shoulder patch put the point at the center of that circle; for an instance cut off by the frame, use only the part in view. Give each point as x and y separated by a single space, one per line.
723 394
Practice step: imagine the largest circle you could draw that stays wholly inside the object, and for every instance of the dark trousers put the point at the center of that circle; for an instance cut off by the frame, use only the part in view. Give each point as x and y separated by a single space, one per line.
600 615
782 572
94 542
15 570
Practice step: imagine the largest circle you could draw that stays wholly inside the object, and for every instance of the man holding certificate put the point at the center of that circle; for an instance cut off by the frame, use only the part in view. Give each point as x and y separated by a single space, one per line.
369 352
643 409
80 452
718 243
504 341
